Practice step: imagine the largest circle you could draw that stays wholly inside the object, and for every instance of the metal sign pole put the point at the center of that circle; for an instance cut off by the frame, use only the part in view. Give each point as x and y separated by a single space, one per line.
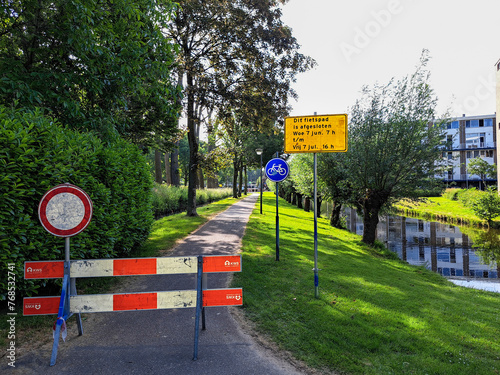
277 221
72 283
277 226
316 278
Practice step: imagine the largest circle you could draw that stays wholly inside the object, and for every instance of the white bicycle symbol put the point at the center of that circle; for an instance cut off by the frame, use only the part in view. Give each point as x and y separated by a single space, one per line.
276 169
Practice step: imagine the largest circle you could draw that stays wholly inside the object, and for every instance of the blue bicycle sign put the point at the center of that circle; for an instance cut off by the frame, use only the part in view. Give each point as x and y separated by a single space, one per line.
277 169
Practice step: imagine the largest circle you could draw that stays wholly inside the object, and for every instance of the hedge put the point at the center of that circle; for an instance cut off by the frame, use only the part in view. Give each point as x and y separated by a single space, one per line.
36 154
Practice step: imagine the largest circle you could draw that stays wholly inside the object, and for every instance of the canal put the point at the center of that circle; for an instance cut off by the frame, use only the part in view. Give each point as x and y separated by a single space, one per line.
464 255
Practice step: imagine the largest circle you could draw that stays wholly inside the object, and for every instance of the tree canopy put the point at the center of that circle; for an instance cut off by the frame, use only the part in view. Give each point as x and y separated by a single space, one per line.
238 58
394 144
101 65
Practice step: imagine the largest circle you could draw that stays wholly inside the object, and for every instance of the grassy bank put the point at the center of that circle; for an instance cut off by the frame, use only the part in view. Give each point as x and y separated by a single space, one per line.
375 314
448 208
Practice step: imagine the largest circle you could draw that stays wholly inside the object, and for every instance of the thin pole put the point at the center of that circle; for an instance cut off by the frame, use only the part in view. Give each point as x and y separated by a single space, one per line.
277 222
261 184
316 278
72 283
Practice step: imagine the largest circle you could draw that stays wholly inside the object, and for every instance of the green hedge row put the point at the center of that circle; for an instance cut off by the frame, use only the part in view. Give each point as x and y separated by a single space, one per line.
36 154
171 199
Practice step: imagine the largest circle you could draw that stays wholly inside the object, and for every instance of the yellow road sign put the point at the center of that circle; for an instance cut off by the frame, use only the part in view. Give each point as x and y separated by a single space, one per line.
322 133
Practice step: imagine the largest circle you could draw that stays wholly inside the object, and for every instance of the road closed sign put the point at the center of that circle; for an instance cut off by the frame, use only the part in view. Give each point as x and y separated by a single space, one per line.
65 210
311 134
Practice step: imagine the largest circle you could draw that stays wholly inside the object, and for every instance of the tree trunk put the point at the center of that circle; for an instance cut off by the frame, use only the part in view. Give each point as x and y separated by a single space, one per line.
174 167
158 174
370 221
319 200
299 200
235 177
246 179
201 179
372 204
307 204
240 187
212 182
168 176
193 148
174 158
335 218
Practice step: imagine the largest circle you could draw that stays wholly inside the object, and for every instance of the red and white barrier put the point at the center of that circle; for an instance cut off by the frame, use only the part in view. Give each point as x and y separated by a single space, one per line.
131 267
69 304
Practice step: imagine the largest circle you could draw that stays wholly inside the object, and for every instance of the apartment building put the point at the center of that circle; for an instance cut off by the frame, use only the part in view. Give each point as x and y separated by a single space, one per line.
497 125
469 137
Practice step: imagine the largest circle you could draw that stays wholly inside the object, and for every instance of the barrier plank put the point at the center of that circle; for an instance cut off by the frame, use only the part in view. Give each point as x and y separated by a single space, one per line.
92 303
223 297
44 269
113 267
41 305
222 263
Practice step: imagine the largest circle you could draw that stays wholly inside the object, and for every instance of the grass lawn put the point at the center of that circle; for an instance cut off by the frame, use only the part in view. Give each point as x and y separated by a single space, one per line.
375 314
441 208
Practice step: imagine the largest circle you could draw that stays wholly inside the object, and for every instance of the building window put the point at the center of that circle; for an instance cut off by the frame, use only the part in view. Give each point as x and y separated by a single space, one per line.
488 122
476 154
468 154
481 122
489 153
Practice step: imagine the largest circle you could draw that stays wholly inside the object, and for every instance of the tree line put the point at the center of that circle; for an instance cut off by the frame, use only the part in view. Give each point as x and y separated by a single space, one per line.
395 151
155 71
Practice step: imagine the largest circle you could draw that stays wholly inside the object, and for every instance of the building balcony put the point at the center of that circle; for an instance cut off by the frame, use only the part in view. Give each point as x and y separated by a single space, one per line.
474 146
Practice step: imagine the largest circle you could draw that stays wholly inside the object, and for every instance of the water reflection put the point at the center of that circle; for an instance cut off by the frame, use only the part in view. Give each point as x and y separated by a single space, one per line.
449 250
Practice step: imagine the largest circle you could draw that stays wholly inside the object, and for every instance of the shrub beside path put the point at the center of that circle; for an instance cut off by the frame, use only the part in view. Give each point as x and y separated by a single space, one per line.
161 341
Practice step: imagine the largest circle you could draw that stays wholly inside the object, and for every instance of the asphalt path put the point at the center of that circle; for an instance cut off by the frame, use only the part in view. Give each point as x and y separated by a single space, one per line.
162 341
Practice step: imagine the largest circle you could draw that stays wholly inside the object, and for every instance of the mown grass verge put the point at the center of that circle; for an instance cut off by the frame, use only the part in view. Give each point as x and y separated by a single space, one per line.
442 209
32 330
375 315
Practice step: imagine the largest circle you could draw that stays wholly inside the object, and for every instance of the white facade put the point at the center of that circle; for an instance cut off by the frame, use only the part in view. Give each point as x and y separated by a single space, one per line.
469 137
497 124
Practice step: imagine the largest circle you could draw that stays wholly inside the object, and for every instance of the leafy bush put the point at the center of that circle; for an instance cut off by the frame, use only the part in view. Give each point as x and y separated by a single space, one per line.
452 194
36 154
486 205
171 199
468 196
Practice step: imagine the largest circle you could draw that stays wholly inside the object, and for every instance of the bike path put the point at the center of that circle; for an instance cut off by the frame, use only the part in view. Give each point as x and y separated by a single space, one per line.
161 341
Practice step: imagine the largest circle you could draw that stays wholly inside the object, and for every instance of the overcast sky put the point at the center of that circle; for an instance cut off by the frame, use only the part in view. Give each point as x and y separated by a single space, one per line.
360 42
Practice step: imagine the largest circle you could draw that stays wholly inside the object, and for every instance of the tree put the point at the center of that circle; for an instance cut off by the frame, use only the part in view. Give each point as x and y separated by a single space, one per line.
482 168
100 65
394 146
486 205
302 174
332 172
224 44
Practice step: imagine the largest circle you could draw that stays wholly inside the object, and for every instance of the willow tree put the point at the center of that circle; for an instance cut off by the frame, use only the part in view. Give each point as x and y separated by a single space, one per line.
222 43
394 144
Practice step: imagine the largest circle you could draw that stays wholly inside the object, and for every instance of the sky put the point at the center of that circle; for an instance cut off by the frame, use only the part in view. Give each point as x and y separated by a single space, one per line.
363 42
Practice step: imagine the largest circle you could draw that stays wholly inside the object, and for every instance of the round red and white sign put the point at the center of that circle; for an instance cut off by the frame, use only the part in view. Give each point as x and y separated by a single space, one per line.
65 210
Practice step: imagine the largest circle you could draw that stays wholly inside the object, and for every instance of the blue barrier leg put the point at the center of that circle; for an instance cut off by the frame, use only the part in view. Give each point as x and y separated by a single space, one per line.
61 317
